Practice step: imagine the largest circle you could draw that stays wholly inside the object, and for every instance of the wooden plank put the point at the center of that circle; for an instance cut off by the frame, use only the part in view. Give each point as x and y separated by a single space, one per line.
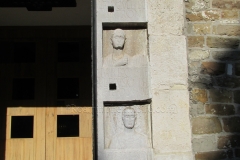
51 133
86 149
39 133
68 148
21 111
86 122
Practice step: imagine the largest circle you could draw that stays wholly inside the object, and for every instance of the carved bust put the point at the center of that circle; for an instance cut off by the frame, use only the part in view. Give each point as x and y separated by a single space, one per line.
117 58
129 138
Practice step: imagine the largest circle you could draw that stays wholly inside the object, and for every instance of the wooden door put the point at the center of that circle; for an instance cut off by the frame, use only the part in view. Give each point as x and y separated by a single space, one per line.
48 141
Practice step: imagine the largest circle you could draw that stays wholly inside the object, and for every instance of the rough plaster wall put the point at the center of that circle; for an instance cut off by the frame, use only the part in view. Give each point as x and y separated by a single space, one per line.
213 30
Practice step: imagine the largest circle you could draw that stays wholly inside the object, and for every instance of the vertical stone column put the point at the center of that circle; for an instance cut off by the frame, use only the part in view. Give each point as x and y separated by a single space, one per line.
168 60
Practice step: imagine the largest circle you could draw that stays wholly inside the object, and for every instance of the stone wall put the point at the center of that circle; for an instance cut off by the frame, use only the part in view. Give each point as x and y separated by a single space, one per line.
213 35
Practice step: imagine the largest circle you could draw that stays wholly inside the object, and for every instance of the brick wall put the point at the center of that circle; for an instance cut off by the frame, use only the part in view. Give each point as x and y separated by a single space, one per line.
213 35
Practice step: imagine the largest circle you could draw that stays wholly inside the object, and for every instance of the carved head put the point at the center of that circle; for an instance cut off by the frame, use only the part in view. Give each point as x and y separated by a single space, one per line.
118 38
129 117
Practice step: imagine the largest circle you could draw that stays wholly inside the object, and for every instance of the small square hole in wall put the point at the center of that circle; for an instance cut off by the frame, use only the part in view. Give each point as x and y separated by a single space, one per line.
24 52
110 8
23 88
68 51
68 126
68 88
112 86
22 127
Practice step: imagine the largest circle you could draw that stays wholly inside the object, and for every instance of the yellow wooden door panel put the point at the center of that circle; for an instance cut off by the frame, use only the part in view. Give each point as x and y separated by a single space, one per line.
62 148
26 148
45 145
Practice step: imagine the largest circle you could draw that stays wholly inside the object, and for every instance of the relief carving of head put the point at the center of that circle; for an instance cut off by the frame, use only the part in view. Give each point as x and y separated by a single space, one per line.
129 117
118 39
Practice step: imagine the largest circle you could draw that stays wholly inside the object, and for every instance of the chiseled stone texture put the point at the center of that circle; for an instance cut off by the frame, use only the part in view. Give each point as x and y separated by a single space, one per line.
220 109
206 125
230 141
196 55
168 63
214 155
171 108
165 17
205 143
212 26
222 42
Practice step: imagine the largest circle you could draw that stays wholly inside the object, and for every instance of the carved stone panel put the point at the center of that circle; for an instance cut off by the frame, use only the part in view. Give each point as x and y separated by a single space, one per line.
127 127
125 65
124 10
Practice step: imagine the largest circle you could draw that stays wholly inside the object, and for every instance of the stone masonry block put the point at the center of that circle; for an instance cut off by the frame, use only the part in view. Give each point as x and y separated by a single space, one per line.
237 96
197 5
231 124
229 14
170 121
213 68
226 4
210 15
228 141
194 68
199 28
206 125
168 62
165 17
199 95
229 30
204 144
222 42
195 41
195 55
214 155
220 109
220 95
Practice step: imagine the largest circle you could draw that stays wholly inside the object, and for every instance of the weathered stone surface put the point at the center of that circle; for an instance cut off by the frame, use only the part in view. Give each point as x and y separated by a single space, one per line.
194 68
229 14
228 141
226 4
229 30
171 108
236 96
198 55
168 62
195 41
220 109
204 144
199 28
199 95
206 125
226 55
196 109
214 155
210 15
226 81
220 95
237 69
213 68
165 17
203 79
231 124
197 5
222 42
